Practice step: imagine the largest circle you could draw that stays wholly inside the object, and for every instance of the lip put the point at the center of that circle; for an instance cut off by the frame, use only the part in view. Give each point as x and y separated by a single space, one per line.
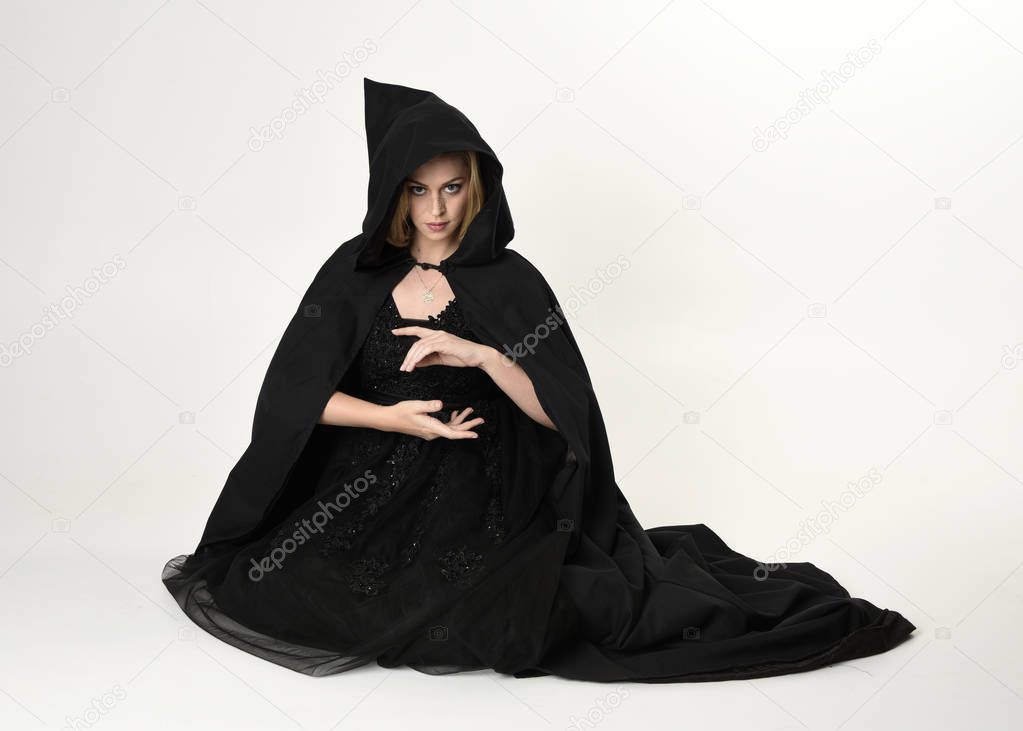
437 226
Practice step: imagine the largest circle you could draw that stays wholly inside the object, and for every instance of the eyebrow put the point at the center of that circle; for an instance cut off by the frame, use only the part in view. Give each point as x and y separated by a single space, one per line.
449 182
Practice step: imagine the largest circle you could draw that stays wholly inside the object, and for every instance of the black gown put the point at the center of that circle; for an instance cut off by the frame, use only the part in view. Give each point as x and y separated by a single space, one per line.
384 558
403 553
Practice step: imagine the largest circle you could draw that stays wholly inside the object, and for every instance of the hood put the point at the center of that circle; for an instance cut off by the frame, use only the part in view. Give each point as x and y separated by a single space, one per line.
405 127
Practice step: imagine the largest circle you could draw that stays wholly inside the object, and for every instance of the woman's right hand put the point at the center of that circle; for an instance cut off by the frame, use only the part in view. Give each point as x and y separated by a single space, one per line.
413 417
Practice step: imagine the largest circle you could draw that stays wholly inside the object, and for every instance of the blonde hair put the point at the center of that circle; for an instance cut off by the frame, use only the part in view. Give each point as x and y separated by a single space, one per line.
399 233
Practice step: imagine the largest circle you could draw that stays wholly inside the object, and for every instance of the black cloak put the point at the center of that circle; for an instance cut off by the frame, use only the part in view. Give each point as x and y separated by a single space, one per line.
671 603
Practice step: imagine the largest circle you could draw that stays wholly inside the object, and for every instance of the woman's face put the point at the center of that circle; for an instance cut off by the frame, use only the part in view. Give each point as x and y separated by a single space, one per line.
437 193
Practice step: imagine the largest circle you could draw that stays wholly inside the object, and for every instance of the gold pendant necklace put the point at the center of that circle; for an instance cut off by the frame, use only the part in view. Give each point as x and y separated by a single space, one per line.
428 292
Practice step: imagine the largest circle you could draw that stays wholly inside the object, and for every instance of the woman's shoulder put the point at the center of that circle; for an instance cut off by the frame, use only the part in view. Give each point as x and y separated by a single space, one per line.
516 278
516 261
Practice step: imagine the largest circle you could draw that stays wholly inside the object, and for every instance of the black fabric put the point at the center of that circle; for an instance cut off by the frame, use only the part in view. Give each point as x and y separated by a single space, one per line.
516 551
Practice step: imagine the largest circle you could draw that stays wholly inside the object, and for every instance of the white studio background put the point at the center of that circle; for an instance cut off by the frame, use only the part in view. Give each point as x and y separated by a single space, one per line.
787 237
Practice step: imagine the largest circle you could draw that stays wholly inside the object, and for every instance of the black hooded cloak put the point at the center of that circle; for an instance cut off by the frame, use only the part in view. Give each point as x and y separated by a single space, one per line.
579 589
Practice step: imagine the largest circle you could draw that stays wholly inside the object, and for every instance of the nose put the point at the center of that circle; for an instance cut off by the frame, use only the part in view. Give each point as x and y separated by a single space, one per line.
438 204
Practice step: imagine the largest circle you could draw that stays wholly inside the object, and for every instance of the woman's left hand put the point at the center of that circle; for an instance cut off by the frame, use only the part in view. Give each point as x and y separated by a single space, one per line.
437 347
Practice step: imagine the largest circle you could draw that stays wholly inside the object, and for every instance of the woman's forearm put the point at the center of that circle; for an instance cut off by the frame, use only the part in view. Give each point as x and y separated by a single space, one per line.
516 383
345 410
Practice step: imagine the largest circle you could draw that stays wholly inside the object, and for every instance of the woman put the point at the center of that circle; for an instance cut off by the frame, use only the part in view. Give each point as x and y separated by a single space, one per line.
429 481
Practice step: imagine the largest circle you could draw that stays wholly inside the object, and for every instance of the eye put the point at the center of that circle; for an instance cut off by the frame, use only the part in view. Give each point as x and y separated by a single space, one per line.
457 187
416 189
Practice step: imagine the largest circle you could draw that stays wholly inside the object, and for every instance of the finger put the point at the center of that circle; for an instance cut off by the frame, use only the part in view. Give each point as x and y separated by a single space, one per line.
404 360
409 330
441 429
416 353
427 345
431 359
408 355
459 434
470 424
